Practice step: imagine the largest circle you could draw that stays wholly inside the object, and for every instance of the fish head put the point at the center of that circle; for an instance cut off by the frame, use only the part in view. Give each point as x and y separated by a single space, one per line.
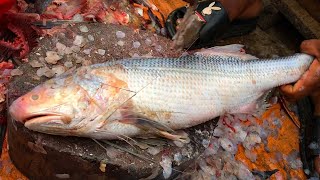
57 107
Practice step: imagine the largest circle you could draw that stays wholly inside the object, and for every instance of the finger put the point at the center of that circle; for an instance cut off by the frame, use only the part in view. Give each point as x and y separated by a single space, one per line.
311 47
308 83
289 93
298 90
287 90
311 79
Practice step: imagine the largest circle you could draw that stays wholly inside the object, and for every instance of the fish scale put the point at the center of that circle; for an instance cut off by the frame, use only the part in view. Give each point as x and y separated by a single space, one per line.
176 92
204 87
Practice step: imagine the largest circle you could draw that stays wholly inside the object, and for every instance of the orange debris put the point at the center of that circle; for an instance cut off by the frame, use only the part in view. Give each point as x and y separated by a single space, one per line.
7 170
286 142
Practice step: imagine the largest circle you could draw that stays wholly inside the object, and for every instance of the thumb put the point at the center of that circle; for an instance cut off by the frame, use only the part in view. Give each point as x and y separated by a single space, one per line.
311 47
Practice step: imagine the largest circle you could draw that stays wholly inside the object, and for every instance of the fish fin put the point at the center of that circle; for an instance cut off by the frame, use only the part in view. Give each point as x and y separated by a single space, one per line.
177 136
146 124
262 103
156 128
258 107
233 50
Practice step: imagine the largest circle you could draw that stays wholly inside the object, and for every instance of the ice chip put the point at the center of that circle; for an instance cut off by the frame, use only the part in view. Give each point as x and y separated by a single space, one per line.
58 69
60 48
205 143
90 37
153 150
166 164
120 43
226 144
77 17
49 73
136 44
120 34
158 48
251 140
218 132
75 49
16 72
243 173
78 40
83 28
87 51
135 55
101 52
68 64
148 41
35 64
52 57
177 157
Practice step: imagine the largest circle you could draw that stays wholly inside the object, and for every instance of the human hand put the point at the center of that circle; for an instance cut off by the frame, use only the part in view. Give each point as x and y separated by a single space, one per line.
209 21
309 83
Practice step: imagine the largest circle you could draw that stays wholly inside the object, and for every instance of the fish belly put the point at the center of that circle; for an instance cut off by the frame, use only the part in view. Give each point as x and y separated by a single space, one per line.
185 99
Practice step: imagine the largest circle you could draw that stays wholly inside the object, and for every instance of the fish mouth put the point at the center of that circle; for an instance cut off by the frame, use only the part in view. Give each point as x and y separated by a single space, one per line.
40 118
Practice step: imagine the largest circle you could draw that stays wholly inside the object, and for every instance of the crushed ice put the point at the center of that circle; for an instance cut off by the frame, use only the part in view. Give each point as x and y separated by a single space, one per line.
45 71
78 40
83 28
120 34
120 43
153 150
101 52
58 69
16 72
77 17
158 48
87 51
52 57
177 157
148 41
68 64
90 37
136 44
61 48
35 64
218 160
166 164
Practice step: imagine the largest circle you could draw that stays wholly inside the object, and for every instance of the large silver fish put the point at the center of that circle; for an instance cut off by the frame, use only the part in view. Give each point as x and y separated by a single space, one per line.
159 95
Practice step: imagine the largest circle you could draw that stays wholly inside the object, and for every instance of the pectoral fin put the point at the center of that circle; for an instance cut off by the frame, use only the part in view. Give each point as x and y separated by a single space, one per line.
156 128
146 124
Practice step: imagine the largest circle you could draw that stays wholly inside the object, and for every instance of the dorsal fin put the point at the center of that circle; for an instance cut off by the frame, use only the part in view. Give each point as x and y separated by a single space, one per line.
233 50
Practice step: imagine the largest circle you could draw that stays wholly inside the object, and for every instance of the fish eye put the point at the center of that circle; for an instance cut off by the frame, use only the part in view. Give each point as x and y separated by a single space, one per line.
35 97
